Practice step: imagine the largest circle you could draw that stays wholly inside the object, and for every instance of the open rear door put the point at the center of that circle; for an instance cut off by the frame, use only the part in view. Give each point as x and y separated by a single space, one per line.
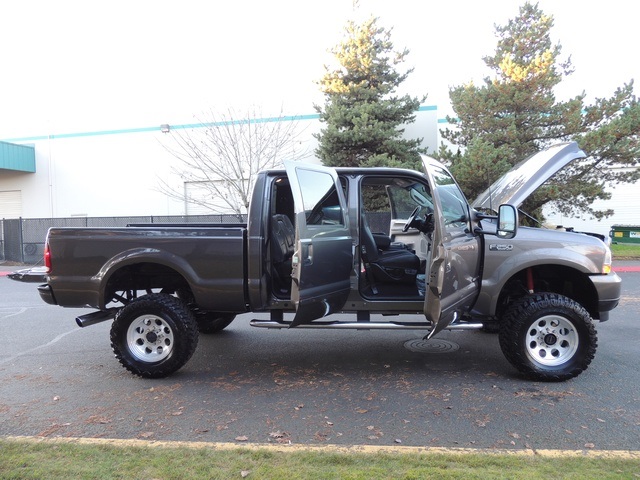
323 257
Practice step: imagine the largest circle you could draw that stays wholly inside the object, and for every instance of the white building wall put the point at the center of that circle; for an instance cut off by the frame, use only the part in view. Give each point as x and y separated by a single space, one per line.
101 175
116 173
110 175
625 202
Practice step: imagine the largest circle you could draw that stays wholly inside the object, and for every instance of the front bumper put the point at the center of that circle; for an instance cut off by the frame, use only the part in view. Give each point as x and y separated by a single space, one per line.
609 288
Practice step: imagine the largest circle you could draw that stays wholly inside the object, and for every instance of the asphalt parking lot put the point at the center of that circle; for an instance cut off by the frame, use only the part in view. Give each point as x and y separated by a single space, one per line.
314 387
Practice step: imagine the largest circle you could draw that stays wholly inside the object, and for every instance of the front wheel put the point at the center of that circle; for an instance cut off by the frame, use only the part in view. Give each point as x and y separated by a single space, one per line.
155 335
548 337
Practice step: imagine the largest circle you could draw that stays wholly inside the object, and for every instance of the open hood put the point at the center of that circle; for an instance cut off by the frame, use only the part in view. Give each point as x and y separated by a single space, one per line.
523 179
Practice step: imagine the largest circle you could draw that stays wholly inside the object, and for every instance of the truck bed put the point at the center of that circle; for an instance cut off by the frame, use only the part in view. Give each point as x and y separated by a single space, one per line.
87 260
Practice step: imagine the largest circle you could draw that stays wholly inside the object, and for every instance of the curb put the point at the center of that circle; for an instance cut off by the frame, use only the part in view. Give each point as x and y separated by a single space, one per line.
627 268
353 449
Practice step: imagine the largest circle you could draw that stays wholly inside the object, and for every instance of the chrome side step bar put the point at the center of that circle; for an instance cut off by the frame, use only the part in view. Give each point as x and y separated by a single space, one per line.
365 325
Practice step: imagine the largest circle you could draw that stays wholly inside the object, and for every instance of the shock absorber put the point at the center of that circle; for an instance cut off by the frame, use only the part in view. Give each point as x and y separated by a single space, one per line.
530 280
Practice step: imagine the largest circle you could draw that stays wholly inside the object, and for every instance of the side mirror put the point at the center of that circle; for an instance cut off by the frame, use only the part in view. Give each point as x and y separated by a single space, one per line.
507 222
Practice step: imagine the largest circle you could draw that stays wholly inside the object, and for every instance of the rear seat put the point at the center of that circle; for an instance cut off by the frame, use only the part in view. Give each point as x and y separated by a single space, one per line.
283 237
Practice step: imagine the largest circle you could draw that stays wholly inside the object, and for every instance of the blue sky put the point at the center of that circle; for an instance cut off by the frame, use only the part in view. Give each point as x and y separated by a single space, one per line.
72 66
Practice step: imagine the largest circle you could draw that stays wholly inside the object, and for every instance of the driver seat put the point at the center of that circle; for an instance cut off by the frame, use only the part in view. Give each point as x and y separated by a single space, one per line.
395 265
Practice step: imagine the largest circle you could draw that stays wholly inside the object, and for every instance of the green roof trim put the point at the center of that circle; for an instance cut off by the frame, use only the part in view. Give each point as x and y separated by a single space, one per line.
21 158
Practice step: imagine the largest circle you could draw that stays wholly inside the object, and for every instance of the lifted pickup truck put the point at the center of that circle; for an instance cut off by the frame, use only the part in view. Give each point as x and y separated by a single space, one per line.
309 250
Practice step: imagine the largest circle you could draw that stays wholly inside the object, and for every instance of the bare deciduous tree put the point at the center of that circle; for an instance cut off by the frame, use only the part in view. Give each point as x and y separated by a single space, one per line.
219 157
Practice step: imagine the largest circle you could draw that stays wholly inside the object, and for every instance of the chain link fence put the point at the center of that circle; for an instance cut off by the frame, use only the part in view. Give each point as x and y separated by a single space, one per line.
22 239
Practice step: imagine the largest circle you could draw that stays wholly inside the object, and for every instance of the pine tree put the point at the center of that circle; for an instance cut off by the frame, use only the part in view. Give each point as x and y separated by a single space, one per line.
362 113
515 114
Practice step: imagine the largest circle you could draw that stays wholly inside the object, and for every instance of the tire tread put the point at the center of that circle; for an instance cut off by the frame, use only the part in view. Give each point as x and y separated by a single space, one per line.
186 334
516 321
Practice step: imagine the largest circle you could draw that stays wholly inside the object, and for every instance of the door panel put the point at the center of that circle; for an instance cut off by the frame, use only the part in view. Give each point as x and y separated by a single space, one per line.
412 238
455 265
323 257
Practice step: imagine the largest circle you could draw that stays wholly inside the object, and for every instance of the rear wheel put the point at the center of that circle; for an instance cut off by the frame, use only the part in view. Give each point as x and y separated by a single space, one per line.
154 336
548 336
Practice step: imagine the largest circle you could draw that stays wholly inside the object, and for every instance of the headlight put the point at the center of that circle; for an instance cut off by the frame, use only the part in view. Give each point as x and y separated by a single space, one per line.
606 266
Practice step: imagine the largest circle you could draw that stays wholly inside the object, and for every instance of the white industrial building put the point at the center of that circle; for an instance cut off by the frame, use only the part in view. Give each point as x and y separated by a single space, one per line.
116 173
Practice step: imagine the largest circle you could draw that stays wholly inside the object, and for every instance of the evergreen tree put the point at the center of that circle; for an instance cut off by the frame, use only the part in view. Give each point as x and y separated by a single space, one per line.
362 113
515 114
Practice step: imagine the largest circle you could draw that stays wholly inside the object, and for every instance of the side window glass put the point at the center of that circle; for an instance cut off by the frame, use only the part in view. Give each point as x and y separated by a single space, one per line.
454 204
404 200
320 198
388 199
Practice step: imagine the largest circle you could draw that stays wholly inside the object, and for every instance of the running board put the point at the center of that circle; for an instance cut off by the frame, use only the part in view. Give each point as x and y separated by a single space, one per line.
364 325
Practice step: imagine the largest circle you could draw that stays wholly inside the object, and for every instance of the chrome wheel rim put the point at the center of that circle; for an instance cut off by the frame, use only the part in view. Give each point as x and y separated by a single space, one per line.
150 338
552 340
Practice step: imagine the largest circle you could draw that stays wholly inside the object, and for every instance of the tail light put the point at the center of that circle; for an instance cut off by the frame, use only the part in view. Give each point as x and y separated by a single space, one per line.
47 256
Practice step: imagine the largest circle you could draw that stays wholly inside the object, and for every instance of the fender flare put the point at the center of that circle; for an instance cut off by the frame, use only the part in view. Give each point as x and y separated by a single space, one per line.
493 286
140 255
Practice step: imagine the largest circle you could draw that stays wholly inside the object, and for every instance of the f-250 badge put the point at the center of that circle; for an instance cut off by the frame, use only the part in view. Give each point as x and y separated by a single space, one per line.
500 248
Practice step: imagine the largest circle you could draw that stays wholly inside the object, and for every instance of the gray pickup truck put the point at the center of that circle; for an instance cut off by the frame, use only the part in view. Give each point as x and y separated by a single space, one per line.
364 241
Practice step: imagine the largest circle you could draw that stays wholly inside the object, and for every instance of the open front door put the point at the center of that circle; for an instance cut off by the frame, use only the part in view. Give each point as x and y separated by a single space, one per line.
437 265
323 257
454 269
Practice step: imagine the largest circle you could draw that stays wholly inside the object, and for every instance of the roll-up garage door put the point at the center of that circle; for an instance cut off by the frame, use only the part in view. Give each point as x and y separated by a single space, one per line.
10 204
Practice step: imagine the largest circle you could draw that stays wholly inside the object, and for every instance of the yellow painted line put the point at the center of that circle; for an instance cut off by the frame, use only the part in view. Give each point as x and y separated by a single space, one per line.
363 449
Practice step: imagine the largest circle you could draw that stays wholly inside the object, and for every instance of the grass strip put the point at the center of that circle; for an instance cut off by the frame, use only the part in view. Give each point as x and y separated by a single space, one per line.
622 251
51 459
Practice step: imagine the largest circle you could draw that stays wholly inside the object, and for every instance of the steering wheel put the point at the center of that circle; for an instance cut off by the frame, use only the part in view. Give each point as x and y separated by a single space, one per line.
412 217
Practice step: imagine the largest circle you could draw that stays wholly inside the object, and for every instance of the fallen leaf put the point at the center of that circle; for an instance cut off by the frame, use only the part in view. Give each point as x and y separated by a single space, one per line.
589 445
601 420
98 419
242 438
361 410
277 434
145 434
